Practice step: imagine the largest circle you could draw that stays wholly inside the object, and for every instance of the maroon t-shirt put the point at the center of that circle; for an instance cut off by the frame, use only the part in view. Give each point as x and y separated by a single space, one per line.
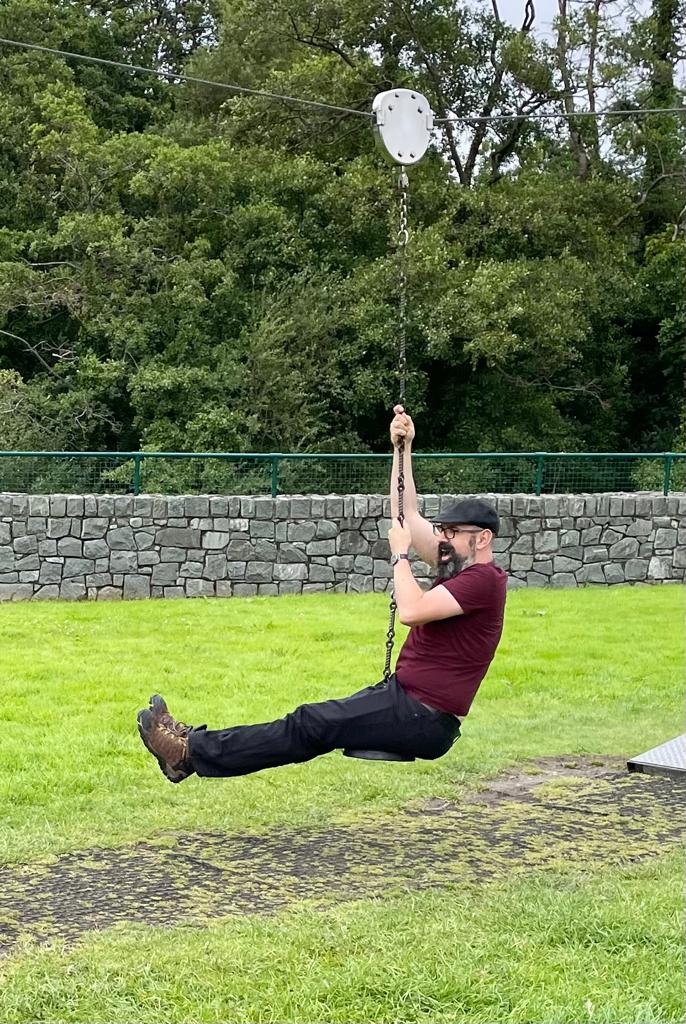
442 663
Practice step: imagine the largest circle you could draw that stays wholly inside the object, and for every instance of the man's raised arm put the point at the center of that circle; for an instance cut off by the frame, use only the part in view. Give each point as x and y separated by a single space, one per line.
423 540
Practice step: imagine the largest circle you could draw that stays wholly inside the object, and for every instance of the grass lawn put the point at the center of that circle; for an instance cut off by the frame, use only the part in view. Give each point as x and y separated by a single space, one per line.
592 671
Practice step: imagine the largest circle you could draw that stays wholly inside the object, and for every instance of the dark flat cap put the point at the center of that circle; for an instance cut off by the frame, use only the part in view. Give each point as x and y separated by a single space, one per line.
472 512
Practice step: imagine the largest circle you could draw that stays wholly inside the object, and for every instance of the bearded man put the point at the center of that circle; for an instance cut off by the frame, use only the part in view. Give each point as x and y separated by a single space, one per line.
417 712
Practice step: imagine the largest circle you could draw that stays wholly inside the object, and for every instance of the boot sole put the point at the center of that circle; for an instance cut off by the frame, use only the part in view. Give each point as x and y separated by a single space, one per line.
169 773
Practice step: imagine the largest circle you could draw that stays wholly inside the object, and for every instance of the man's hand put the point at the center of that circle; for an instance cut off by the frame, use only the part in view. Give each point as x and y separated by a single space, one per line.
402 427
399 538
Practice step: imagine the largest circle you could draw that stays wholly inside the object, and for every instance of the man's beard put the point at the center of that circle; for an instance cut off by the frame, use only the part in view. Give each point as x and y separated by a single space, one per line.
449 562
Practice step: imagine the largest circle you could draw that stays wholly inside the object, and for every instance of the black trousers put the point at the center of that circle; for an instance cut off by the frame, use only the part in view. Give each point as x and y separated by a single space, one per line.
381 717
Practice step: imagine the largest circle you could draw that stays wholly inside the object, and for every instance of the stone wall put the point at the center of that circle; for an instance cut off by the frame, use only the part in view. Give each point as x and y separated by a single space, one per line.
109 547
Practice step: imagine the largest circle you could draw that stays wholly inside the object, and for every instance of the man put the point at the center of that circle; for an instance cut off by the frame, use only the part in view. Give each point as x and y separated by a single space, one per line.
456 626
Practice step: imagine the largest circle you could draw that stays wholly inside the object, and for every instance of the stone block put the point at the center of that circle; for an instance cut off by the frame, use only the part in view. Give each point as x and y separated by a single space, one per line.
144 541
121 539
143 504
264 508
563 580
136 587
262 528
219 506
301 532
214 540
245 590
165 573
77 567
264 551
664 538
16 591
544 566
239 550
26 545
124 561
379 549
636 568
321 574
383 569
19 505
95 549
523 545
58 528
27 563
289 571
73 590
363 563
267 589
535 579
75 505
546 542
660 567
326 530
290 587
195 505
610 536
174 555
110 594
39 505
99 579
193 570
570 538
50 593
625 548
215 567
261 572
521 562
7 559
9 577
592 573
247 508
181 537
341 563
591 535
95 528
322 547
18 528
236 570
315 588
301 507
351 543
529 526
361 584
37 525
614 574
595 554
172 592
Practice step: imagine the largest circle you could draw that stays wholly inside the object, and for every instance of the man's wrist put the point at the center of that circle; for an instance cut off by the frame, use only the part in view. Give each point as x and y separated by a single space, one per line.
399 557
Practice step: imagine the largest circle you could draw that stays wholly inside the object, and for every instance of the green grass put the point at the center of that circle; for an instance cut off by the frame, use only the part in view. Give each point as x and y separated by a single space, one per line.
592 671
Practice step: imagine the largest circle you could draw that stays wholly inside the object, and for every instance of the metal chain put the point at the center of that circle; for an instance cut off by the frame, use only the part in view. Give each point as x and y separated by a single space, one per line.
402 240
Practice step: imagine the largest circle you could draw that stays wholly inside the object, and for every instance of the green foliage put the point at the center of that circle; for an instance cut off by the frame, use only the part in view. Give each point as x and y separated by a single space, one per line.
179 269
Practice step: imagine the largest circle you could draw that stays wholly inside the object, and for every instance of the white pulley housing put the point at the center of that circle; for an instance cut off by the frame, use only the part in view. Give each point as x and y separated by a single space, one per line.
403 122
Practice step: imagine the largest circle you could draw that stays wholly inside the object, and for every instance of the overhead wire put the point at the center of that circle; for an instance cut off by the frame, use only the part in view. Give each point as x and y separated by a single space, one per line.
175 76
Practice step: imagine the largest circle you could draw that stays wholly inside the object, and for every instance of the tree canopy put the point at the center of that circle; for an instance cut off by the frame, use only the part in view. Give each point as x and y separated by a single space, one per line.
184 268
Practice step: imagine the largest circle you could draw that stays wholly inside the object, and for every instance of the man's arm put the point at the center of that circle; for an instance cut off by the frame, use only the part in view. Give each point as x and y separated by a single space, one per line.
423 540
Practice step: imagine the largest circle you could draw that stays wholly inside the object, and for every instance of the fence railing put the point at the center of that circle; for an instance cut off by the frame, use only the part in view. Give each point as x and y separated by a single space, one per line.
310 473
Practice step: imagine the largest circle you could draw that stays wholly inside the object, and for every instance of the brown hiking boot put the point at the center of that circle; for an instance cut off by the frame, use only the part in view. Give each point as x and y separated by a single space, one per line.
166 739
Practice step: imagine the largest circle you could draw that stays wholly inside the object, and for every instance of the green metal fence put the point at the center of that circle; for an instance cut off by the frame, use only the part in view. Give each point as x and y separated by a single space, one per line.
290 473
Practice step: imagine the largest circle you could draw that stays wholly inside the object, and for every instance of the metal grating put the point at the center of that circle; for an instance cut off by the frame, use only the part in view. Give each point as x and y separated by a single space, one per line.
667 759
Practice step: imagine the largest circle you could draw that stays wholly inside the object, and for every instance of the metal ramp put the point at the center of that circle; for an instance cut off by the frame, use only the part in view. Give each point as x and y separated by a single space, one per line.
667 759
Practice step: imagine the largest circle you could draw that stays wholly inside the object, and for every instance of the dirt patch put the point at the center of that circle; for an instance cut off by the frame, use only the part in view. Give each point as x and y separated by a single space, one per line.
551 813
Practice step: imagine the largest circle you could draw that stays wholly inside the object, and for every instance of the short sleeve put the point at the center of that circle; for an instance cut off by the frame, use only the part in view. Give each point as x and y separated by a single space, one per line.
472 589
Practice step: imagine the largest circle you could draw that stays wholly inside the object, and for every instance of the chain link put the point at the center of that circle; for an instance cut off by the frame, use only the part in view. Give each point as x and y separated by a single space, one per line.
402 240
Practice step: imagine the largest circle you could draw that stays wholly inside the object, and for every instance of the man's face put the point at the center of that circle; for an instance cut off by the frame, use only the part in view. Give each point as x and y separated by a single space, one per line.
456 548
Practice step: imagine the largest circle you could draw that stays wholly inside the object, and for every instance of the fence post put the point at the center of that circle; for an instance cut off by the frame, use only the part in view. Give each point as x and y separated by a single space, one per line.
539 472
667 474
137 459
275 474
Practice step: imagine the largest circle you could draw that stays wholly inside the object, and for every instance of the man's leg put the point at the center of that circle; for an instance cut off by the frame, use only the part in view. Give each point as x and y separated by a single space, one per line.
378 717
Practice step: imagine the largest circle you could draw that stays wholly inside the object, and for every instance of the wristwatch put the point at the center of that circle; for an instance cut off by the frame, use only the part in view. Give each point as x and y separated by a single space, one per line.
396 558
